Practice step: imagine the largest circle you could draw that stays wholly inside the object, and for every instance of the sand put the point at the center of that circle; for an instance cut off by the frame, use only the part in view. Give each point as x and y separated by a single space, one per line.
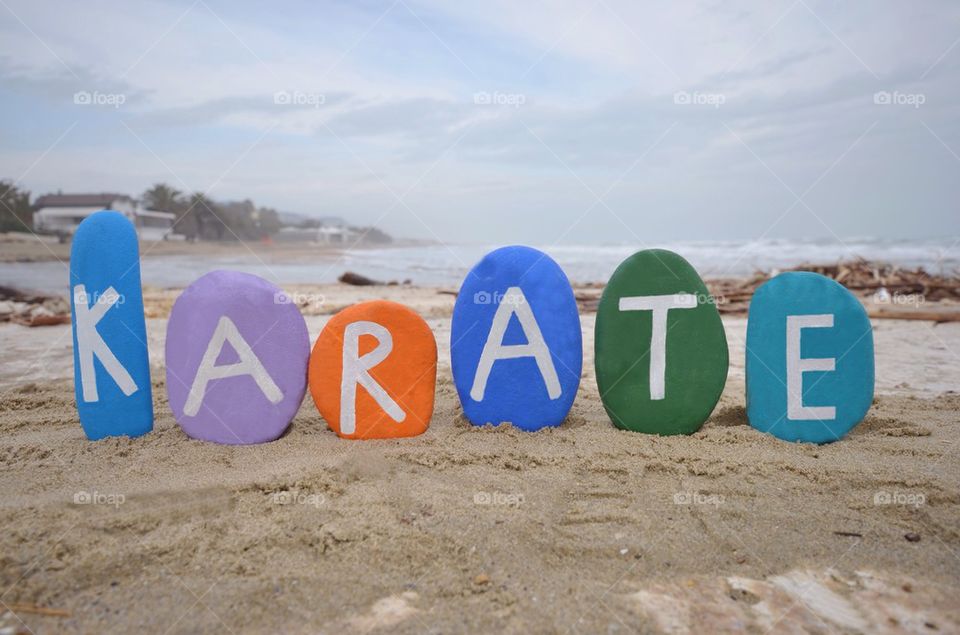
583 528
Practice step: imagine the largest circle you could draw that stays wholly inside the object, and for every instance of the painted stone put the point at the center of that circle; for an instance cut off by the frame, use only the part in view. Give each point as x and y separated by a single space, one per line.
516 349
110 360
660 349
236 358
810 364
373 372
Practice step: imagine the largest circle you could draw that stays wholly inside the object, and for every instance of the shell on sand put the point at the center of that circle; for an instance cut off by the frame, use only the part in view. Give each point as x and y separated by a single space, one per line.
799 601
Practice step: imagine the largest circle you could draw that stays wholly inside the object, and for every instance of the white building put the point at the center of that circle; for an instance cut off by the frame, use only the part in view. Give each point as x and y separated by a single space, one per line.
334 235
153 224
62 213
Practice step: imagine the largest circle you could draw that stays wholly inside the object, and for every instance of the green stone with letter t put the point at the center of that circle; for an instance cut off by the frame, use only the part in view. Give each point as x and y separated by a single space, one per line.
660 348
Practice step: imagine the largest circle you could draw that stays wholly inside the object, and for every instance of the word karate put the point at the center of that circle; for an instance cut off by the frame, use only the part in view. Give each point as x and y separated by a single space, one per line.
238 355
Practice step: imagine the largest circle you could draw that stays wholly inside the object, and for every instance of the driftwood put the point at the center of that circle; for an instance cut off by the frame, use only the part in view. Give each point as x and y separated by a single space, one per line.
31 308
890 313
358 280
38 610
888 292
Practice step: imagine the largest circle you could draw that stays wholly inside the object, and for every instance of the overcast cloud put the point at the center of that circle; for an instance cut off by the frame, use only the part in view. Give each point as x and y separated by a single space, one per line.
502 121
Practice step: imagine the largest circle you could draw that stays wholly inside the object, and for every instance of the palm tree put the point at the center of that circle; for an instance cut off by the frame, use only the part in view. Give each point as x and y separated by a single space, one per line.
208 225
16 214
164 198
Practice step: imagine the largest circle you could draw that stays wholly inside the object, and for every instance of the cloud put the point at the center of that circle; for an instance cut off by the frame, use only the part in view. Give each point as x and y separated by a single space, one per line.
685 116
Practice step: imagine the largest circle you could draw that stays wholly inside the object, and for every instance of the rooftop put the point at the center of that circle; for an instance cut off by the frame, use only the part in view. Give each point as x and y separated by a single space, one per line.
79 200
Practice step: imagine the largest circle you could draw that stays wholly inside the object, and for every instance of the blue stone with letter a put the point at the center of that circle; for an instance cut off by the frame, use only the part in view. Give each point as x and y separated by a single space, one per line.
810 365
516 349
111 366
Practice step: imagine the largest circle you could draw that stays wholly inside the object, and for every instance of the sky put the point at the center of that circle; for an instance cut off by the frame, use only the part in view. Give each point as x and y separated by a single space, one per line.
597 121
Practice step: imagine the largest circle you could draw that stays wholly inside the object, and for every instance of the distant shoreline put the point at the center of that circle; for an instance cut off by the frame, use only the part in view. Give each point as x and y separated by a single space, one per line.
24 247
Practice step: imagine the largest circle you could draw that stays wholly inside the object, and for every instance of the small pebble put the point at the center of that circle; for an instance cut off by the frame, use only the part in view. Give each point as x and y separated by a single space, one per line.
912 537
482 578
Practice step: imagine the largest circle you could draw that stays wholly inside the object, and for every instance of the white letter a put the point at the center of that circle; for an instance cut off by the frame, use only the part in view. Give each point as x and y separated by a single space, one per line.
249 364
515 303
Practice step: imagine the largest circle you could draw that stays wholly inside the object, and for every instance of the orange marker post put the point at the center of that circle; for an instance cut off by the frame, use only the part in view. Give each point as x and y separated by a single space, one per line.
373 372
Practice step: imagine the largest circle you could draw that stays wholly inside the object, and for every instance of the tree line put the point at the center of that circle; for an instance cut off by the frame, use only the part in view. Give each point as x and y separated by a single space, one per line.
197 216
16 212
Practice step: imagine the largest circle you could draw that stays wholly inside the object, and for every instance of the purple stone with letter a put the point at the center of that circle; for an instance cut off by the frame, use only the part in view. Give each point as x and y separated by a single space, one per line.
236 357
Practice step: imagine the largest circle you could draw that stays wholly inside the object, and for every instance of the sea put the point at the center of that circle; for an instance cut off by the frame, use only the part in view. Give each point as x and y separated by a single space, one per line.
446 265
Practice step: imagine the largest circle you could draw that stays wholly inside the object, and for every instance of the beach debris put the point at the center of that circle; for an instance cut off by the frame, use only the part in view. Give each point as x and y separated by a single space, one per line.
889 291
517 349
112 377
652 377
849 534
373 371
481 578
236 357
358 280
33 609
800 324
386 613
936 315
31 308
797 601
912 537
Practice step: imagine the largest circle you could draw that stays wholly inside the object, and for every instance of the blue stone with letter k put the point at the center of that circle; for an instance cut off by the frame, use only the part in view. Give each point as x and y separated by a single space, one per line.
111 365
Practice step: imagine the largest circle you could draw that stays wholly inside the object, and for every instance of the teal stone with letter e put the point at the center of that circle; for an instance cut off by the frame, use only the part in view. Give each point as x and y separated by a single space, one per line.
810 365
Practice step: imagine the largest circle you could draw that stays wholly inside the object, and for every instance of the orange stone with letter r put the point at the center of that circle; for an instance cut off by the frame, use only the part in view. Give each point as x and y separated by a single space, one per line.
373 371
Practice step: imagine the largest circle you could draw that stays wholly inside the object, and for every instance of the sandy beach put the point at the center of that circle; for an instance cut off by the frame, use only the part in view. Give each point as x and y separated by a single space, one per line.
582 528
